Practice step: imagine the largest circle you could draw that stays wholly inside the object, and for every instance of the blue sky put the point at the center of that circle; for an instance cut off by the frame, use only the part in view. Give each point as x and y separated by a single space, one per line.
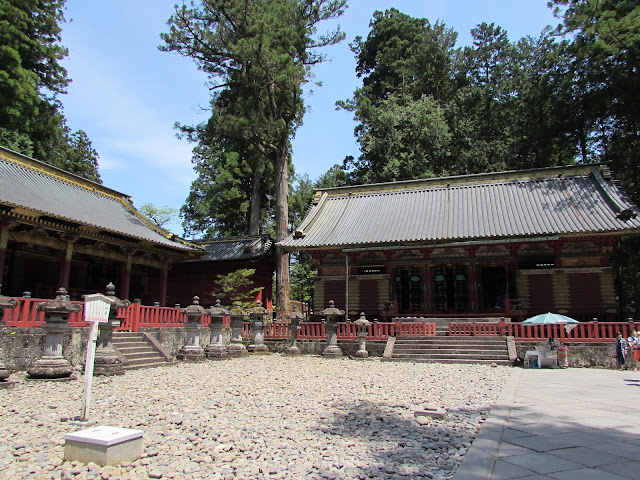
127 95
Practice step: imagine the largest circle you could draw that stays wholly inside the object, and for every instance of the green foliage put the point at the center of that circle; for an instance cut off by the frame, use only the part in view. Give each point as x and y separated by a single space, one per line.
236 288
16 141
303 274
31 78
160 216
259 54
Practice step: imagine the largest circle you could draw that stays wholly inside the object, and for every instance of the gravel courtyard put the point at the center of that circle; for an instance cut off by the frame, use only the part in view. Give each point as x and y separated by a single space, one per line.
262 417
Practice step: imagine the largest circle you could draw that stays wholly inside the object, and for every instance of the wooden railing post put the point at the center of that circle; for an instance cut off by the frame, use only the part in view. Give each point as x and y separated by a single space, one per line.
135 309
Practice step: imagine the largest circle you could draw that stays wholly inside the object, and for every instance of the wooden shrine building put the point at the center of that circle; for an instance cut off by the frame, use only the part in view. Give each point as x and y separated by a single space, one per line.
57 229
222 256
492 244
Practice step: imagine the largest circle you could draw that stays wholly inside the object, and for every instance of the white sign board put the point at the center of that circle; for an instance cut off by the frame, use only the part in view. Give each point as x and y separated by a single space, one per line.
96 310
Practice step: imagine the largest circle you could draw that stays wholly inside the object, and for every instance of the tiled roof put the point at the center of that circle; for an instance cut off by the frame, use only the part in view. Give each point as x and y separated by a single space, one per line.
234 248
535 203
39 188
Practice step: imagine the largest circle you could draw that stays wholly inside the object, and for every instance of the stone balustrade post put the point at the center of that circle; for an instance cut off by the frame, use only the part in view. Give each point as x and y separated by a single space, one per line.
236 347
191 351
107 361
53 365
5 302
216 350
331 315
295 317
362 329
258 316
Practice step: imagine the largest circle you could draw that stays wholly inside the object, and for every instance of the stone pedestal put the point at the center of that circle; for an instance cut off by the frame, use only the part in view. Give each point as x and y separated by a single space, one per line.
216 350
106 360
11 303
53 365
236 348
294 326
331 315
191 351
103 445
258 316
362 329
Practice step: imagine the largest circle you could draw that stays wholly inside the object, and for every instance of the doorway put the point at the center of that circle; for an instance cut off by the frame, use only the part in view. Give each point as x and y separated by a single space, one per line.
494 285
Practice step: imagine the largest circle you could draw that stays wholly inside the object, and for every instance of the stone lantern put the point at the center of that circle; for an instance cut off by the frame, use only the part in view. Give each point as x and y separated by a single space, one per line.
5 302
295 317
56 324
191 351
362 330
107 361
236 348
258 316
216 350
331 315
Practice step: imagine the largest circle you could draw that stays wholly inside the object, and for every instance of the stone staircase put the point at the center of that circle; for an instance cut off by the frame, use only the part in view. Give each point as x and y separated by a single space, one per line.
445 349
140 351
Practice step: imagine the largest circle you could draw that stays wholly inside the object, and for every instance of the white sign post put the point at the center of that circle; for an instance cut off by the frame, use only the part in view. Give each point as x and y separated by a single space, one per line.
96 311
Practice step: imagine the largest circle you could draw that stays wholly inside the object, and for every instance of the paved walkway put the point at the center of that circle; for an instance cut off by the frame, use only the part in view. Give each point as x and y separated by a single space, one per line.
567 424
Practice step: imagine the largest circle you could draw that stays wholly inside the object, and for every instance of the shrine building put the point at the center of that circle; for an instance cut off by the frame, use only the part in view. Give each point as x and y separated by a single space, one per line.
509 244
61 230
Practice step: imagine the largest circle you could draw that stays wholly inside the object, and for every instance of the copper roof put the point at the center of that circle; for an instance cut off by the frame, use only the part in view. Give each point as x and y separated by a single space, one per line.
560 201
35 189
235 248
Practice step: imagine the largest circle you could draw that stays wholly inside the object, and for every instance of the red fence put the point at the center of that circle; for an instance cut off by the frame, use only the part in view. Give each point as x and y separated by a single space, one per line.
138 316
583 332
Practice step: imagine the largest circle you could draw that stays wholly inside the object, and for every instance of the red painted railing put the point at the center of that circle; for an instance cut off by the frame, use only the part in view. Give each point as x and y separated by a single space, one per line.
138 316
26 315
583 332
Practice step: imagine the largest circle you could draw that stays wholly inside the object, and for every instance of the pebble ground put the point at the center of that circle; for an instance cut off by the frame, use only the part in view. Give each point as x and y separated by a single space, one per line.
261 417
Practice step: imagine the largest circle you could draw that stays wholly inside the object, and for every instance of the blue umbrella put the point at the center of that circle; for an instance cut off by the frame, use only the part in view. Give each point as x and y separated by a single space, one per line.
552 319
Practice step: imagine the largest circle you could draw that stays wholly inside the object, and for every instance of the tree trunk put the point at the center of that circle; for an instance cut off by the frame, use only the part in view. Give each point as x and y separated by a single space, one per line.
282 229
256 195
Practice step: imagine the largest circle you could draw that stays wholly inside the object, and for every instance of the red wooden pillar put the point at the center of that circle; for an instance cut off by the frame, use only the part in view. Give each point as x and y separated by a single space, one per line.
473 287
4 242
125 278
65 267
164 273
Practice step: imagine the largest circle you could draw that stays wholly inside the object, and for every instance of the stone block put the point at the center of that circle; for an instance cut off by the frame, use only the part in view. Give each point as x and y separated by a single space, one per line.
103 445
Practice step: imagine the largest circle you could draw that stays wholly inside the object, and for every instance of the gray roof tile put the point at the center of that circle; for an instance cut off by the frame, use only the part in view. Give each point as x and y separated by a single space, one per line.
234 248
545 202
51 192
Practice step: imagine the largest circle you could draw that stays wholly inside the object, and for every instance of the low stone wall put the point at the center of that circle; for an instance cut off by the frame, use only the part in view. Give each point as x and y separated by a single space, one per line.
21 347
581 354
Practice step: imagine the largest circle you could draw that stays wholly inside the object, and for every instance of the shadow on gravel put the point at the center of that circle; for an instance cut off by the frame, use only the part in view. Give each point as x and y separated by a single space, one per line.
387 441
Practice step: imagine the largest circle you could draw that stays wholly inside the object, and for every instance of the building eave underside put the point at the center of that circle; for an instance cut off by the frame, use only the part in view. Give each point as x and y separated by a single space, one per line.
459 243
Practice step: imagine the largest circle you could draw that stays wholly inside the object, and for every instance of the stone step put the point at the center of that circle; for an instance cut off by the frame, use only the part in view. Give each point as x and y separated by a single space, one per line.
472 355
448 349
138 351
444 360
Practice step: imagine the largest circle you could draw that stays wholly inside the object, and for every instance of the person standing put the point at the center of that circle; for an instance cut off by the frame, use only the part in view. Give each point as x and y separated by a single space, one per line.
633 357
621 351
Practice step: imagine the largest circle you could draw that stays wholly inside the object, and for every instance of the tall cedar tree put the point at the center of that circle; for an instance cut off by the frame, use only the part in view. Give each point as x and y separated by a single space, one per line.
263 50
605 51
31 78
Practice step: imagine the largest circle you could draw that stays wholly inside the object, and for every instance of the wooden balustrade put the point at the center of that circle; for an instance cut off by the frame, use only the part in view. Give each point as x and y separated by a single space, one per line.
137 316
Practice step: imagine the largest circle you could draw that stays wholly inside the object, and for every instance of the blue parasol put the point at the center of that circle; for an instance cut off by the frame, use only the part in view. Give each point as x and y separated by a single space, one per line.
552 319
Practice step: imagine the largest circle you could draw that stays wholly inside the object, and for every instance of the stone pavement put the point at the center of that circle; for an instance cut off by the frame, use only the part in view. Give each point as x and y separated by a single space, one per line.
566 424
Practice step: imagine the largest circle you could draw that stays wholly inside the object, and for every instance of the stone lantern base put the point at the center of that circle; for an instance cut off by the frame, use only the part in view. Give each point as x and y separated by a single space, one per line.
191 354
361 354
216 352
107 366
258 349
51 368
332 351
236 350
293 351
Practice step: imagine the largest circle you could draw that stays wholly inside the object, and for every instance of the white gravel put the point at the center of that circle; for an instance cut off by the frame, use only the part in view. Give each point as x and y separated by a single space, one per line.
263 417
